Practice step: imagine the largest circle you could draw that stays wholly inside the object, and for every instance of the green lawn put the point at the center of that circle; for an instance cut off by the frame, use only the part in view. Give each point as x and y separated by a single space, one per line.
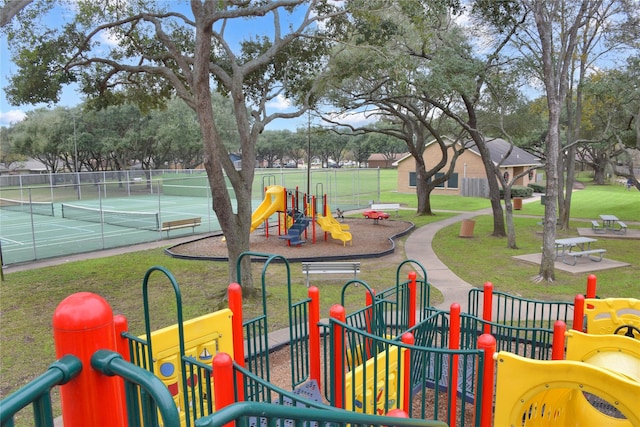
28 298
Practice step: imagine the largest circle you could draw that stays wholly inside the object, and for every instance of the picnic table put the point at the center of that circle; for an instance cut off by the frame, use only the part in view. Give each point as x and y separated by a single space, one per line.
608 221
612 223
565 249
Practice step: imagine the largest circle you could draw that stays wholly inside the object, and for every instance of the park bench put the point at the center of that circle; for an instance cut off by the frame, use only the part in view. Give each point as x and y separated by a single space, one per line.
621 227
597 227
328 267
588 252
386 207
181 223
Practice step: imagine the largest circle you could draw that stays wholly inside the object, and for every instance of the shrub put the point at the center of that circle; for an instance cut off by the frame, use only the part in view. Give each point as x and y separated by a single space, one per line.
537 188
518 191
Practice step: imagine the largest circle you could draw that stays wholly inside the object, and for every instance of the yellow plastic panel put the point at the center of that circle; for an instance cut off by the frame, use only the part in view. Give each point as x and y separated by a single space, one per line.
614 352
534 393
205 336
376 394
604 316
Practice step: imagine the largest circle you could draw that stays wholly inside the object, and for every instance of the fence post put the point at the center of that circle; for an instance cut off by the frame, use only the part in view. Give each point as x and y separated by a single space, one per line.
235 305
487 343
408 339
83 324
454 344
487 306
412 298
578 313
557 347
222 379
314 335
337 312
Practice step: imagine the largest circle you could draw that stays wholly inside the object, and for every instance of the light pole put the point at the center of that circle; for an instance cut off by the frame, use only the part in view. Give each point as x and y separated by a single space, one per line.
75 145
309 155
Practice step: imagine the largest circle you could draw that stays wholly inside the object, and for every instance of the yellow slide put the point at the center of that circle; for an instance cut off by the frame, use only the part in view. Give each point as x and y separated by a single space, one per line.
274 201
535 393
330 225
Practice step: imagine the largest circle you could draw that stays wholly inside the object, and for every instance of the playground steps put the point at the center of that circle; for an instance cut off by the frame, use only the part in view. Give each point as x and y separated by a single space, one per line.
294 234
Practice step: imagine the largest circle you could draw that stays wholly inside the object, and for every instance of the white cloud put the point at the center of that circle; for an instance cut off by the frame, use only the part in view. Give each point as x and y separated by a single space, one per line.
280 103
11 117
358 118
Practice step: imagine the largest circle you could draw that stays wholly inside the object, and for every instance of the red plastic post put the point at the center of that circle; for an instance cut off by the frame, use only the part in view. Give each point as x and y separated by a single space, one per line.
591 286
338 313
487 343
487 306
412 276
222 380
454 344
313 219
368 321
557 347
578 313
314 335
235 305
82 324
398 413
409 339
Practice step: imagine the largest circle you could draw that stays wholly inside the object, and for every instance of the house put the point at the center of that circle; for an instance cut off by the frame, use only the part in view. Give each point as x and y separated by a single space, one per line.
384 161
469 177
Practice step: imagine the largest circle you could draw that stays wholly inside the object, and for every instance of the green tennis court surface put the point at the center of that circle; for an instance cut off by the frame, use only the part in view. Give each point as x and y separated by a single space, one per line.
102 225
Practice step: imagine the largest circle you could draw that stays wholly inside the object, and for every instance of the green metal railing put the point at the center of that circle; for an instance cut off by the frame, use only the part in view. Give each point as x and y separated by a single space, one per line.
252 414
523 312
431 387
146 394
38 393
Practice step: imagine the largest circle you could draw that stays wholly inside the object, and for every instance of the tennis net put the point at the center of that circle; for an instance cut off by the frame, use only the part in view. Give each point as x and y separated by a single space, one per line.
129 219
39 208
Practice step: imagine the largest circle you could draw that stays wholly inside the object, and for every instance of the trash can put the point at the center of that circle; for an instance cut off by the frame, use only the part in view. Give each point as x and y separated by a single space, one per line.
517 203
466 228
543 200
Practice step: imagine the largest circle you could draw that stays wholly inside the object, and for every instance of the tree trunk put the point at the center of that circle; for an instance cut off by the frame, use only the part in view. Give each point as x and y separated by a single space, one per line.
422 188
235 226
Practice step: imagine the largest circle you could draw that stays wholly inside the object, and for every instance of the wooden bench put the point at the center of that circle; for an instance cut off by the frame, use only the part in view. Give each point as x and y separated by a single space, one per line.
181 223
621 227
328 267
597 227
577 254
387 206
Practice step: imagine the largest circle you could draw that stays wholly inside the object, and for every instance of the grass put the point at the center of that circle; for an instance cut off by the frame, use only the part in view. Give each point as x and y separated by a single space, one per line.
29 298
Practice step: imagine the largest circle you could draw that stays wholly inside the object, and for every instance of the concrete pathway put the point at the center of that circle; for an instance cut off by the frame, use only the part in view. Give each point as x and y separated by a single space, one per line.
418 247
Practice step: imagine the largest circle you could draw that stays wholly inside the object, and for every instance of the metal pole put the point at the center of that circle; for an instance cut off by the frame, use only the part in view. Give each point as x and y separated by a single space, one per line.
308 154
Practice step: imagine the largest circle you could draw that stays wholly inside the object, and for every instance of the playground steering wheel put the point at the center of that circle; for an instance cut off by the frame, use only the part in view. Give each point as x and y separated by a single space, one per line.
630 331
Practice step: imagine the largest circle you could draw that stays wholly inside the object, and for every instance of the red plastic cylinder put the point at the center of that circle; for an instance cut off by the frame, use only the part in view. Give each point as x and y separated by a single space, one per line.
314 335
234 291
409 339
223 381
487 306
338 312
412 276
578 313
487 343
557 347
591 286
454 344
83 323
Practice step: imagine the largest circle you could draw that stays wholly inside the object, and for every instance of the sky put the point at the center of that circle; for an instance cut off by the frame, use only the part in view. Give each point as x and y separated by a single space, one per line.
71 97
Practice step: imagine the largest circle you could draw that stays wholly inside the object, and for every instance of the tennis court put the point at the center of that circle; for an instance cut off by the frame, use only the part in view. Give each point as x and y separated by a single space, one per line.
51 215
97 225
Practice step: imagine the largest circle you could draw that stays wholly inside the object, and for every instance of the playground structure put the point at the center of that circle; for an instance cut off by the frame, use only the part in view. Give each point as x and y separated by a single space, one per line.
296 212
396 356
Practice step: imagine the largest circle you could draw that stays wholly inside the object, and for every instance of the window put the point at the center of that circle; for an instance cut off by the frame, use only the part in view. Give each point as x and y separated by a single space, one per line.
452 182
